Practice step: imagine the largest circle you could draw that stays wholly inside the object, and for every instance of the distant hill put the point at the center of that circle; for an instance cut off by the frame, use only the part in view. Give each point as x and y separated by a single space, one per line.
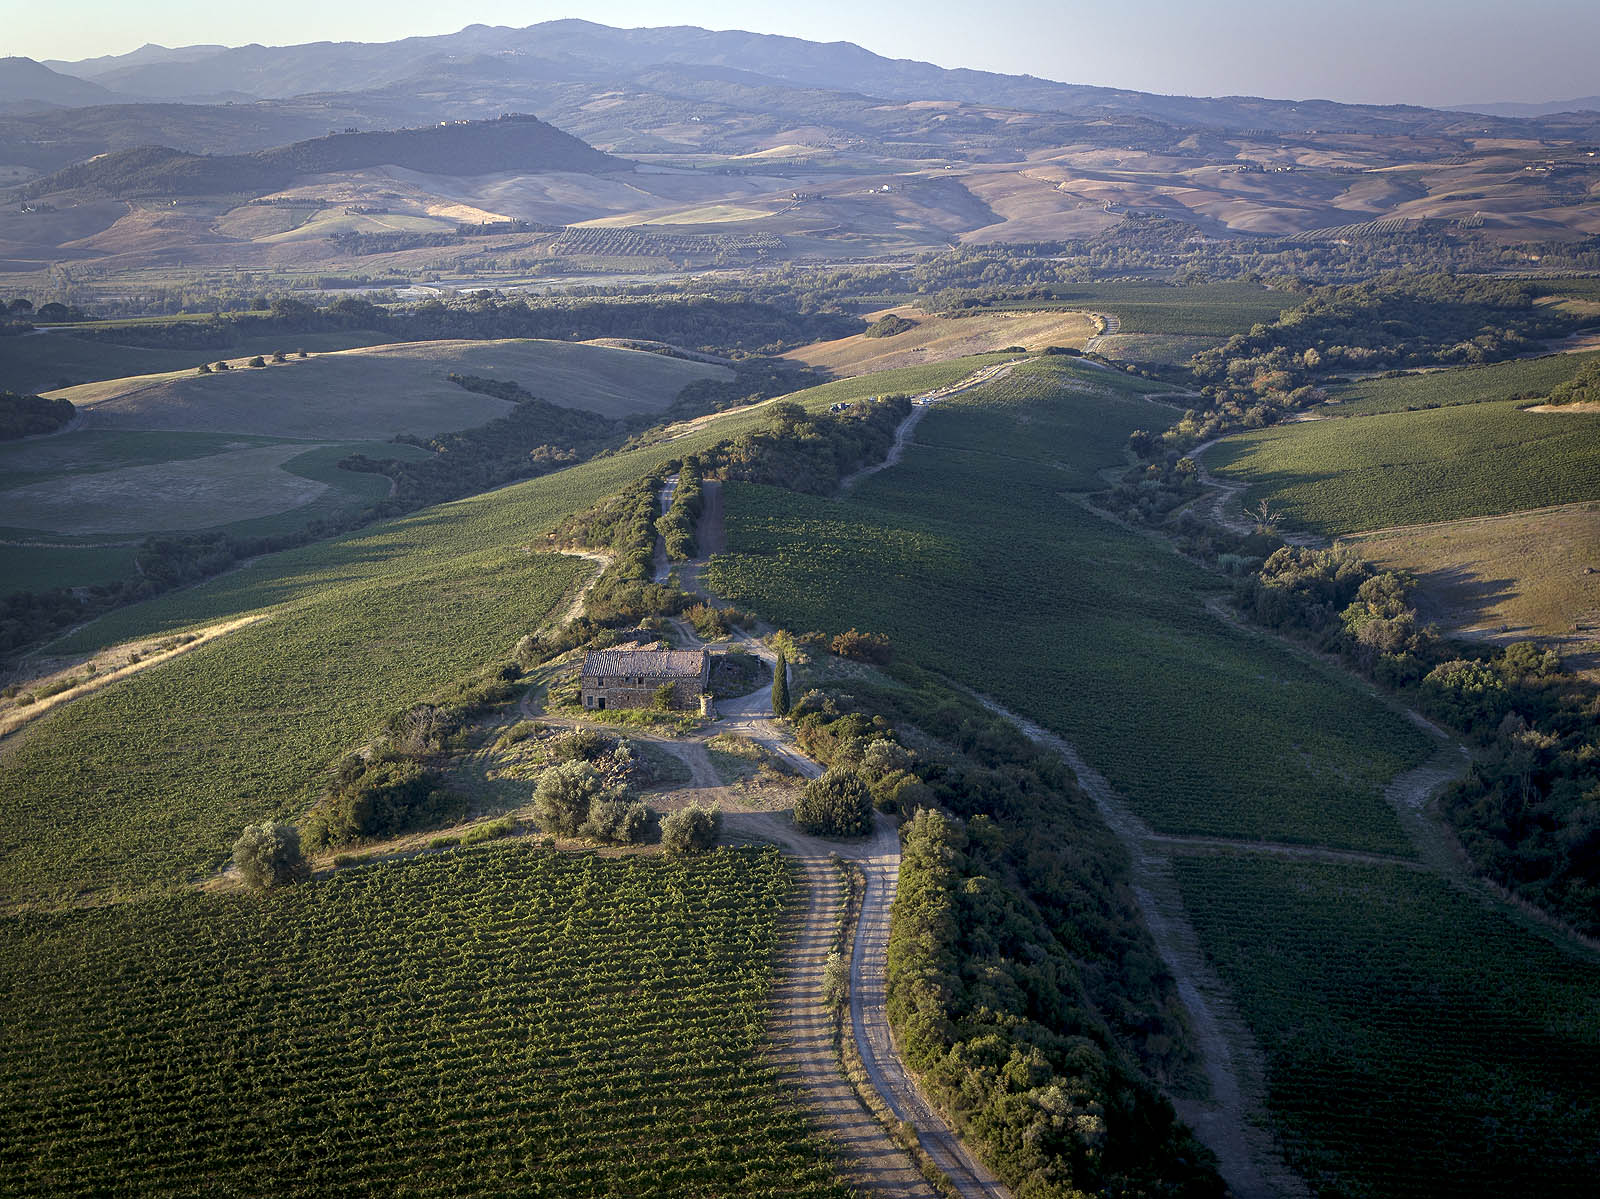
1548 108
27 84
574 51
511 143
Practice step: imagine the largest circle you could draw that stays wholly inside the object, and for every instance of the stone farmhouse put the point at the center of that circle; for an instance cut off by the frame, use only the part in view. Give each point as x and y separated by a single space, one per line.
630 678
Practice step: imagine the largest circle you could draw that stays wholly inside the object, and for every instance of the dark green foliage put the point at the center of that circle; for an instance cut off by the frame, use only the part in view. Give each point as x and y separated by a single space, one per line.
889 326
1582 388
567 792
810 452
383 796
693 829
780 687
676 526
1042 950
269 855
991 1012
28 416
838 804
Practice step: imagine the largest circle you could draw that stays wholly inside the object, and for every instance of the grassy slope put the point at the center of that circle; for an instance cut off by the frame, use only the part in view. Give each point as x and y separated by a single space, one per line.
244 728
379 391
34 364
939 337
485 1022
1415 1043
1345 476
1066 618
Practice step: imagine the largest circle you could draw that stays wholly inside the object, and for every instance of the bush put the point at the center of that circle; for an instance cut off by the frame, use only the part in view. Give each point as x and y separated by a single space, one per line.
616 821
691 829
381 797
269 855
565 795
863 647
839 804
258 360
506 826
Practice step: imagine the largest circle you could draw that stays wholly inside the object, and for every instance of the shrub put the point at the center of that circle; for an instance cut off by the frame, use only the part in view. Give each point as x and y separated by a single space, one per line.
504 827
616 821
381 797
202 369
565 794
258 360
863 647
691 829
839 804
269 855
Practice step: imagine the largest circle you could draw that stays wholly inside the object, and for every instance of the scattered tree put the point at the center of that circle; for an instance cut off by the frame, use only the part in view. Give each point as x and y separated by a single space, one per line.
269 855
863 647
258 360
616 821
565 795
780 686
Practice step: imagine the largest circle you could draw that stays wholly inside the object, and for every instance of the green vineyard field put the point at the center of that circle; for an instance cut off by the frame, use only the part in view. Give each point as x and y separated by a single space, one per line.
476 1023
1416 1044
975 559
1463 385
1349 476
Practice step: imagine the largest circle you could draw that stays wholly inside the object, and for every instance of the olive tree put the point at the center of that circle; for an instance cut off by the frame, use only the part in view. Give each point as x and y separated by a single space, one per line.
269 855
690 829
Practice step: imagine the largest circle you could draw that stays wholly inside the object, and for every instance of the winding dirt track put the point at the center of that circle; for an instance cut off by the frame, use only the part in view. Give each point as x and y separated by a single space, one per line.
1232 1122
919 409
805 1044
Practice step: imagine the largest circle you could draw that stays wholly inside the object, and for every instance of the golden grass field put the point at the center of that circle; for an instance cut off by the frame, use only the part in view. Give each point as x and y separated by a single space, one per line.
1507 578
937 338
380 391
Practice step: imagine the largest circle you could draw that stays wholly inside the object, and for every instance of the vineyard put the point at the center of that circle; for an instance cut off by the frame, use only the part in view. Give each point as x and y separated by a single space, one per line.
481 1022
641 243
1462 385
1404 468
1066 618
1416 1044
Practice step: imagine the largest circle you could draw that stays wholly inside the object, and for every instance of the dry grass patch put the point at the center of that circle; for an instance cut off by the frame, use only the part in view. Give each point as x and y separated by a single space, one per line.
379 391
1507 578
939 338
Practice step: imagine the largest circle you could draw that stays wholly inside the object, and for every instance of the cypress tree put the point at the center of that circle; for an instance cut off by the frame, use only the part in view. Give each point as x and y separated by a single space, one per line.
780 686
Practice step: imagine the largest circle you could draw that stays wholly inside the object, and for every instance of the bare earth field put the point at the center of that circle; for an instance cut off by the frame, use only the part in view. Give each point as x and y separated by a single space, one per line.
937 338
1507 578
385 390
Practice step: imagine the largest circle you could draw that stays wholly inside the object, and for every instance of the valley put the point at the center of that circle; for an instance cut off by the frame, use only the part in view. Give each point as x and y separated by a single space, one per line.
597 611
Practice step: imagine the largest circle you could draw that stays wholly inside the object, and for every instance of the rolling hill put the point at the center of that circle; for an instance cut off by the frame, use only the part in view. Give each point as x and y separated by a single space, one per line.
511 143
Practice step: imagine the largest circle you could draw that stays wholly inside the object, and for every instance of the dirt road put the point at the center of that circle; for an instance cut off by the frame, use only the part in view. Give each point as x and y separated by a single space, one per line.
1113 325
919 408
1232 1121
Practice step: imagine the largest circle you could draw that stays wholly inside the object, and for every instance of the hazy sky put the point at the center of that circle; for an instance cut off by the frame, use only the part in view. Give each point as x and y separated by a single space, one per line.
1388 51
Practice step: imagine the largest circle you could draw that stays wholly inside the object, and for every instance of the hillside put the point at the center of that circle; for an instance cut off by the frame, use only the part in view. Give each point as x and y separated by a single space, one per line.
511 143
27 84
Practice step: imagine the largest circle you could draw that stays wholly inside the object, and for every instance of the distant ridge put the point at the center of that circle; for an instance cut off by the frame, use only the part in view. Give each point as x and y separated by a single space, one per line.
512 143
26 84
1506 108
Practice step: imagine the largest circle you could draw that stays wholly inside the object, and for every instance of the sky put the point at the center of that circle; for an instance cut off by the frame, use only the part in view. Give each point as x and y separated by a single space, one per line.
1375 51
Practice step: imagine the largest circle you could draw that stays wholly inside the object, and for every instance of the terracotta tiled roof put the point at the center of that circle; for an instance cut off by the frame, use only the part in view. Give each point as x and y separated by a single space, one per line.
652 662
